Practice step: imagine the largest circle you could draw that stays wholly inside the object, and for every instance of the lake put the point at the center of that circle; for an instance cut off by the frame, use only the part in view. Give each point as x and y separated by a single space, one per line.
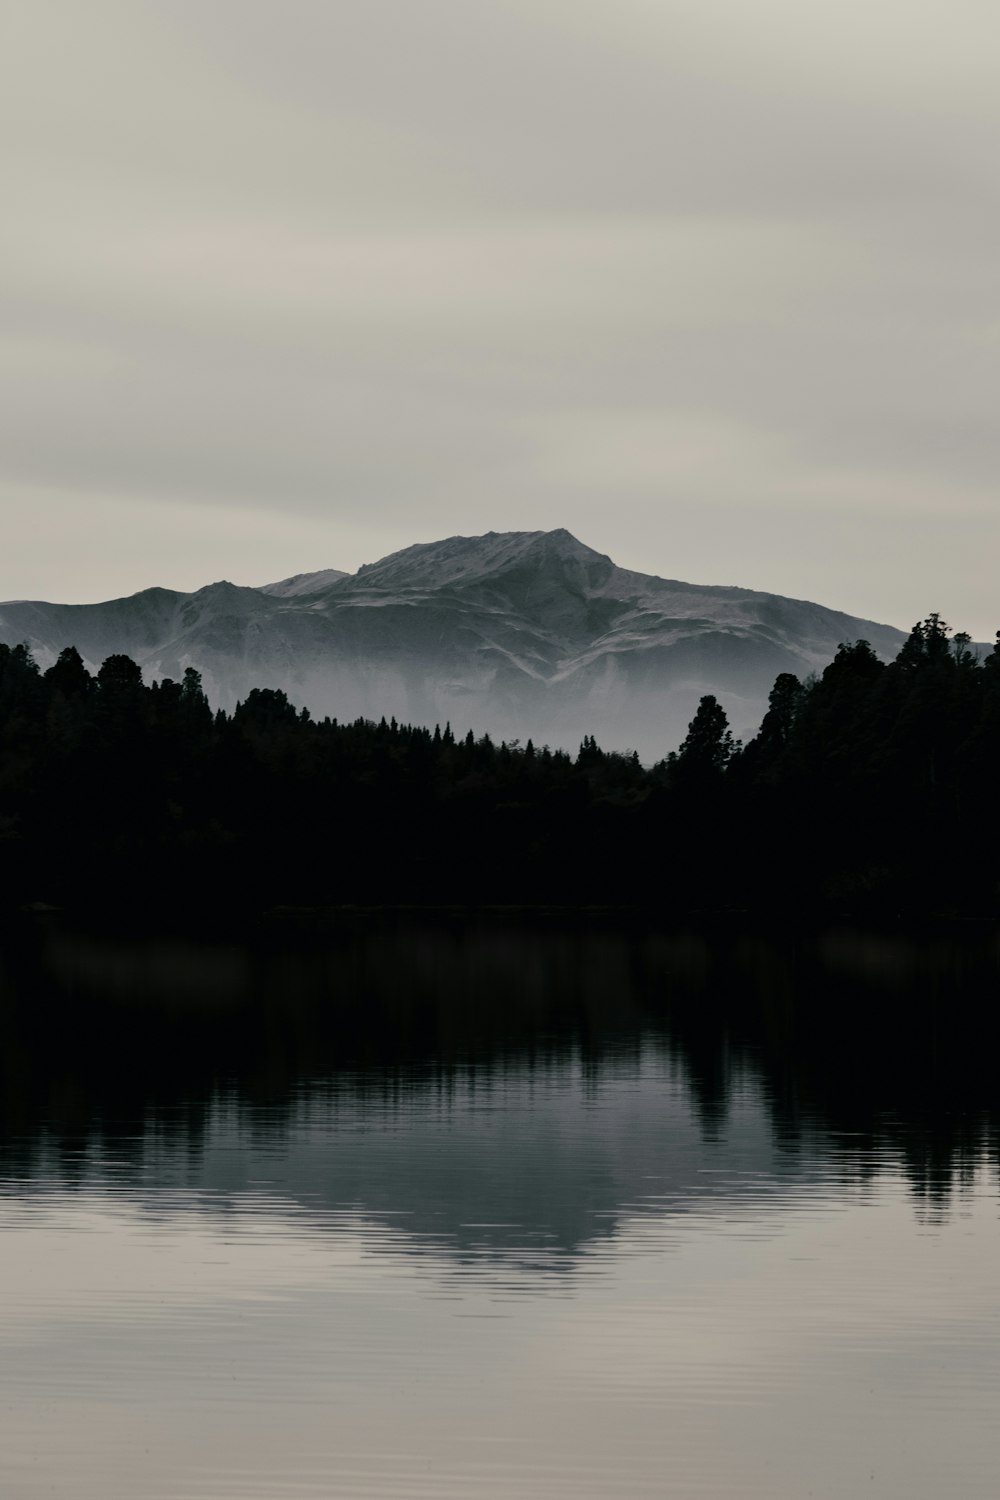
399 1206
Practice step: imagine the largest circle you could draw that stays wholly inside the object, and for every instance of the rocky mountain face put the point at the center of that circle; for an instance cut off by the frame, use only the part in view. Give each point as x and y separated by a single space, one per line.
513 633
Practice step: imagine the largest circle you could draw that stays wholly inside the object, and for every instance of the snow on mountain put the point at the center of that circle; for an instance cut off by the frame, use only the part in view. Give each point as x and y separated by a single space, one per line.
302 583
514 633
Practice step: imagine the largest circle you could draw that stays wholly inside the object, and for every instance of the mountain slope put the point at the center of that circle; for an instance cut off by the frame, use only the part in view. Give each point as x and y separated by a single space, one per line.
302 583
515 633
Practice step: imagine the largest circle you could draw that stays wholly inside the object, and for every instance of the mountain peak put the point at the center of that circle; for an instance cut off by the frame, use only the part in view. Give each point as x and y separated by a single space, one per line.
463 560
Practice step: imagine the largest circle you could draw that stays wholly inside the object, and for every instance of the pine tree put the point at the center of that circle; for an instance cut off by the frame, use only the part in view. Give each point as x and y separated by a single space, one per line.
707 749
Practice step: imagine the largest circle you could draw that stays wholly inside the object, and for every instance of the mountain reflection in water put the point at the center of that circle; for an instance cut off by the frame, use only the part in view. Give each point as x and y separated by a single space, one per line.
497 1209
388 1063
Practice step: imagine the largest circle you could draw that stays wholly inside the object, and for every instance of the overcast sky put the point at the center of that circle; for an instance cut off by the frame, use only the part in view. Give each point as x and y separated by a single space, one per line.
715 284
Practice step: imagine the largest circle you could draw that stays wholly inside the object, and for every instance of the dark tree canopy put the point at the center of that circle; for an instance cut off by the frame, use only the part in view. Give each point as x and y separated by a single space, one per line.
68 675
708 746
873 786
119 674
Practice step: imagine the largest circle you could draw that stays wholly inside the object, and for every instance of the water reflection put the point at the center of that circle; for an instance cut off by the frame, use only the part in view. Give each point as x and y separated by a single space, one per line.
498 1209
350 1055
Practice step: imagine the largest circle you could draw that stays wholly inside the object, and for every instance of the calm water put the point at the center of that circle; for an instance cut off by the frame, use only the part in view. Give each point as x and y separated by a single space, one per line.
500 1210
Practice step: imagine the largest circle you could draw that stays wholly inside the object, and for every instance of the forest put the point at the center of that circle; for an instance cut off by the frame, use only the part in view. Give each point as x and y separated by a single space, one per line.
871 788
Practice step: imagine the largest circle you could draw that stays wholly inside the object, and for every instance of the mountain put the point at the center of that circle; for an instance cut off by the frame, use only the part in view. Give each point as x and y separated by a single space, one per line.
514 633
302 583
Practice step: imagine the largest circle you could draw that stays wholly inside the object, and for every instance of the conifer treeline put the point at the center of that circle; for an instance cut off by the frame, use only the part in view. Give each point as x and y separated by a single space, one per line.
874 786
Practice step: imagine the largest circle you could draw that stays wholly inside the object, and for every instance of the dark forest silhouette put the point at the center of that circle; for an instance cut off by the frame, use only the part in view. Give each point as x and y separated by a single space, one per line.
871 787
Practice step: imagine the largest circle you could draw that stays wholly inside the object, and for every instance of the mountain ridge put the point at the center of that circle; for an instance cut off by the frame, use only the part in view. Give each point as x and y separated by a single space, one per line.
512 633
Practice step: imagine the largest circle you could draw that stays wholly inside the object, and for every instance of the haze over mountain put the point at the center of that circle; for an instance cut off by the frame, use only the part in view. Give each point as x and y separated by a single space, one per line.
512 633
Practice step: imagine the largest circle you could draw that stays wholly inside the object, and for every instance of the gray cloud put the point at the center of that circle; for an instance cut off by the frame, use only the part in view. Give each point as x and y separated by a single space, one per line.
715 285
